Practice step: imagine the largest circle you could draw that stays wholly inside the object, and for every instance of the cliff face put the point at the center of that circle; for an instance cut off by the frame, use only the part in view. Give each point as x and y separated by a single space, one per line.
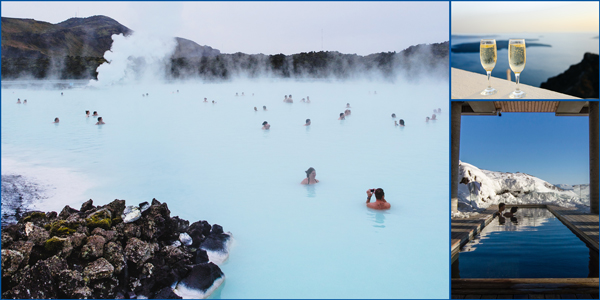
85 37
580 80
71 49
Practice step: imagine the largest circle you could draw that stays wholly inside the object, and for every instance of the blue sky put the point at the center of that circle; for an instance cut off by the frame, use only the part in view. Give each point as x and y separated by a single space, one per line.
555 149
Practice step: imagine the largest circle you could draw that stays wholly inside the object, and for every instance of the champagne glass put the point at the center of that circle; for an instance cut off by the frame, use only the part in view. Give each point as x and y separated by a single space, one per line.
488 56
516 61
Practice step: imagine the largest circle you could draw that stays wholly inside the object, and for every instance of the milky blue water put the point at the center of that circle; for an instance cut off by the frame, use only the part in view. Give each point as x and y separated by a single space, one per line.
213 162
537 245
542 62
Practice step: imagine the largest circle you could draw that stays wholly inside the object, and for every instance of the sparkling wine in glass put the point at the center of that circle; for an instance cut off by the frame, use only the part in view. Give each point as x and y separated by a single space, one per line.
488 56
516 61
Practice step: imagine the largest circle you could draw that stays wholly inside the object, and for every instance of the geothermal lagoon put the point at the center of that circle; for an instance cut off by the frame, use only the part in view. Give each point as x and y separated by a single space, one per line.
213 162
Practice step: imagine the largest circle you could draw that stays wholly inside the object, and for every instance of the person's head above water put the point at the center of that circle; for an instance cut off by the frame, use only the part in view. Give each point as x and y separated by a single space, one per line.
87 112
265 123
393 115
310 172
56 120
401 122
255 109
311 175
307 122
379 194
264 107
95 113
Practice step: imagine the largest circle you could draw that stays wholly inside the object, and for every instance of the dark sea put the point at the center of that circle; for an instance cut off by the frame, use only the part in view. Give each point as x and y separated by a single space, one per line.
548 54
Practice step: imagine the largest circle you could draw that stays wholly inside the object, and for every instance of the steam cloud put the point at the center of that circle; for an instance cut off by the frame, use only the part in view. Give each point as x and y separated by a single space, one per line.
140 57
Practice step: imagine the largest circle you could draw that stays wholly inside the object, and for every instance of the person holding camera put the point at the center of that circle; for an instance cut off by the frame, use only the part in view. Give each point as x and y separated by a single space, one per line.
380 203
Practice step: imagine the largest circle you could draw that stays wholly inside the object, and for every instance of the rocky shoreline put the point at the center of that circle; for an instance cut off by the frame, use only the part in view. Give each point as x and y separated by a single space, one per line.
112 251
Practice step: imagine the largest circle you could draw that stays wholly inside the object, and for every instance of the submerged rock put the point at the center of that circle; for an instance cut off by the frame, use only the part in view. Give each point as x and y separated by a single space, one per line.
201 282
217 245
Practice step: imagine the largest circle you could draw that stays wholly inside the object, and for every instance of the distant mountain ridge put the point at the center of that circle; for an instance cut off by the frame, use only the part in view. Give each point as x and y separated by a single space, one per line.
85 37
73 49
479 189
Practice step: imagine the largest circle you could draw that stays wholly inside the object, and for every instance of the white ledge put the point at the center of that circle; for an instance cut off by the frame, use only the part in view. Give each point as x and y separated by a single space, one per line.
468 85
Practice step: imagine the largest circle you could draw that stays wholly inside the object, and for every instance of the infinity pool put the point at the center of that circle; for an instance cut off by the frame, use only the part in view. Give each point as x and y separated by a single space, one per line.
533 245
213 162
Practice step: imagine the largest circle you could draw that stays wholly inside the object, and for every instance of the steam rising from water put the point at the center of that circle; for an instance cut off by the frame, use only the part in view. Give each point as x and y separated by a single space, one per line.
140 57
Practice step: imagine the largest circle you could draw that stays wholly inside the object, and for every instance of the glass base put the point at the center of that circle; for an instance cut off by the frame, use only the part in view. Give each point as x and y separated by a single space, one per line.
517 94
489 91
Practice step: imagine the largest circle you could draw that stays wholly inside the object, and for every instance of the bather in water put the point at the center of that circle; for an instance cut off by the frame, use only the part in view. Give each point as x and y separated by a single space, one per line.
380 202
310 176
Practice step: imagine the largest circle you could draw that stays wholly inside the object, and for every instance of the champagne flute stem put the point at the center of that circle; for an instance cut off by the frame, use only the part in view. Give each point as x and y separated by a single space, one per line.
517 75
489 73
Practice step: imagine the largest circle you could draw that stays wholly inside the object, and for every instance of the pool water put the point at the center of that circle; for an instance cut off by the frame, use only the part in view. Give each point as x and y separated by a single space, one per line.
213 162
535 245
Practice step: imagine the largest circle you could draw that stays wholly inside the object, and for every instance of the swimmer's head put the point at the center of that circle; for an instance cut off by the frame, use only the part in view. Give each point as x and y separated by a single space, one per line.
264 107
99 119
255 109
401 122
265 123
56 120
307 121
311 171
393 115
341 114
87 112
379 194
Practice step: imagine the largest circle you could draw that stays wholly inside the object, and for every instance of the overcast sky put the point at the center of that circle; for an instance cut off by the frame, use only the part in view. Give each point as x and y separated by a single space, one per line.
266 27
489 17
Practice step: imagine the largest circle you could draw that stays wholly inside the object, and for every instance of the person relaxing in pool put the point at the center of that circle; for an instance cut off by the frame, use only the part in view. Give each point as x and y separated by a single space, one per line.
501 208
342 117
307 122
100 122
87 113
310 176
266 125
56 120
95 114
401 122
512 212
380 203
